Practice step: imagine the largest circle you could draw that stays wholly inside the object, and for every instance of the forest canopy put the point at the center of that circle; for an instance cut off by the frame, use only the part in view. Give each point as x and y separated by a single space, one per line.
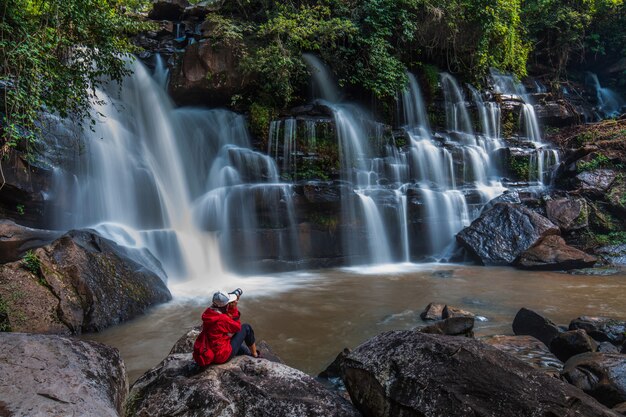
54 53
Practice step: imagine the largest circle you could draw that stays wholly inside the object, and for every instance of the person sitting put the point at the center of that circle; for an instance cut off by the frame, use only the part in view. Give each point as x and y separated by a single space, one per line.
223 336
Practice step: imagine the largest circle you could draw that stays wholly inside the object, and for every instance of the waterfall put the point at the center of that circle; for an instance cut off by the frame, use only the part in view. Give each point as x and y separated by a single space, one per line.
183 183
324 84
414 110
543 160
457 117
610 104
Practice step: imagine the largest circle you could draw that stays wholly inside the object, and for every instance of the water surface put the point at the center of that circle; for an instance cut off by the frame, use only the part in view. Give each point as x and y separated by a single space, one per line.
308 318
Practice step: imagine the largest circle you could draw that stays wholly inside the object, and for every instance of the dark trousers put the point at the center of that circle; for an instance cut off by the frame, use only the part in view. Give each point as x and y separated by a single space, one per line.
241 340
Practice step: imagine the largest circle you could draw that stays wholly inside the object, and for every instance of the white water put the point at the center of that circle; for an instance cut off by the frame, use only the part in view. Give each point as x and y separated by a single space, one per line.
183 183
610 104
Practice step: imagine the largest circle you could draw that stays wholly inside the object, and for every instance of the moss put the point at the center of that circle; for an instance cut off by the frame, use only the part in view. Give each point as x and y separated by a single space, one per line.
598 161
508 124
260 119
518 166
5 325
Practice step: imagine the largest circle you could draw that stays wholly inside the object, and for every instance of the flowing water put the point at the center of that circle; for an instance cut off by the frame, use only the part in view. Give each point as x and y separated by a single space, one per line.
307 318
610 103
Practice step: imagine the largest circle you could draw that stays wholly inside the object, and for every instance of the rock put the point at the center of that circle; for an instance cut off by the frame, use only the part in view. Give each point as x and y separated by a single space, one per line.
557 114
601 375
529 350
46 375
620 408
444 273
405 373
607 347
433 311
334 369
200 10
599 272
186 341
571 343
602 329
596 182
454 326
615 254
527 322
168 9
501 234
207 74
79 283
324 192
568 213
16 240
449 312
507 197
22 197
244 386
552 253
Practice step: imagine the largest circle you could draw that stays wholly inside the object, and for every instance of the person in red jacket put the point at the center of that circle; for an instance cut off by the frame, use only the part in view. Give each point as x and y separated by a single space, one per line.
223 336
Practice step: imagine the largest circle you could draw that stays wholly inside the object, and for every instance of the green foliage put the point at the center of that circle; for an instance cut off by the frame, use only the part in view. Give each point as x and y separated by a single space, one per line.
598 161
614 238
31 262
259 120
5 325
55 53
20 209
519 167
568 31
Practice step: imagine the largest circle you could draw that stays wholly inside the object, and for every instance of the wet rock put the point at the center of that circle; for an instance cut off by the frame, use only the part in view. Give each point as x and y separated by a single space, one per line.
599 272
79 283
507 197
614 254
529 350
404 373
501 234
601 375
443 274
449 312
244 386
168 9
199 10
433 311
16 240
596 182
571 343
22 198
568 213
324 192
607 347
454 326
527 322
552 253
602 329
46 375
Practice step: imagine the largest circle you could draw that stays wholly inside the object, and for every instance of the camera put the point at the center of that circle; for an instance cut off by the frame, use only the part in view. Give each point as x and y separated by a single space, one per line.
237 292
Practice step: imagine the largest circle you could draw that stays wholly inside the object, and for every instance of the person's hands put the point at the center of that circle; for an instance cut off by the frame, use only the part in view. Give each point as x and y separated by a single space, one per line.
232 309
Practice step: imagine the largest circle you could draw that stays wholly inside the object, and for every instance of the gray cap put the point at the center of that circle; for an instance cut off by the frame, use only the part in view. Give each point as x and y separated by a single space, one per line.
221 299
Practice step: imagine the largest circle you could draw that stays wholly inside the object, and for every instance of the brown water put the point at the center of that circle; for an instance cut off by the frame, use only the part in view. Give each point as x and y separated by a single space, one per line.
323 311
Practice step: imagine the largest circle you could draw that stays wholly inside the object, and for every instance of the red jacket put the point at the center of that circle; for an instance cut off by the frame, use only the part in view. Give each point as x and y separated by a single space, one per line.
217 330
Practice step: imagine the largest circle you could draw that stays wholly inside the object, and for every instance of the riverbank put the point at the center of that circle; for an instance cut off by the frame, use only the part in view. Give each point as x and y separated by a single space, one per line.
318 313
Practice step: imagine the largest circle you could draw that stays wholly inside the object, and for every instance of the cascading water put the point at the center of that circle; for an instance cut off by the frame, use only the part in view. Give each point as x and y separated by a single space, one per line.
182 182
610 104
544 159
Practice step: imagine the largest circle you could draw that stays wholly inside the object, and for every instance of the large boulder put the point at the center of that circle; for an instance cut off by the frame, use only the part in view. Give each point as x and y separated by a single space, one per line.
529 350
244 386
568 213
23 188
207 74
572 343
528 322
615 254
79 283
602 329
501 234
601 375
168 9
596 182
46 375
433 311
406 373
552 253
16 240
